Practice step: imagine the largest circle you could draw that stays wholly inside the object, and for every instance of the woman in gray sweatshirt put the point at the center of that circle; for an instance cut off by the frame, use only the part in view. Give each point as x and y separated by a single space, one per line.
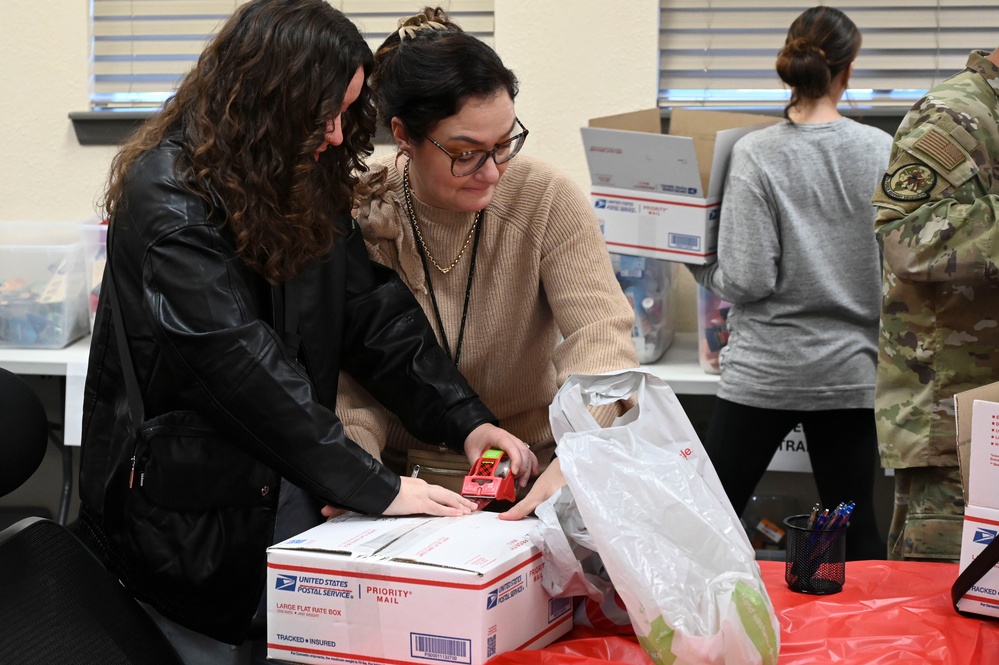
798 260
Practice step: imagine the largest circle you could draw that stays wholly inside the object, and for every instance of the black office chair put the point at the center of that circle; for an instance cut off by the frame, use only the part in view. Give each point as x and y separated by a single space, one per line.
24 431
58 604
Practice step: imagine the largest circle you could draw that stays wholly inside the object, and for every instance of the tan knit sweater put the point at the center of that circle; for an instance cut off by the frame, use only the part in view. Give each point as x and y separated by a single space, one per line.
542 269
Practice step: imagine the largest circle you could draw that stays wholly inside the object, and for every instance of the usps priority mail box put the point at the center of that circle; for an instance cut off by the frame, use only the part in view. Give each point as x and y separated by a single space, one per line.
409 590
659 195
980 474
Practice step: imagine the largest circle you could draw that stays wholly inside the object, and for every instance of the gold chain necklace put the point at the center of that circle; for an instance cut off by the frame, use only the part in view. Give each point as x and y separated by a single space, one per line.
416 227
421 250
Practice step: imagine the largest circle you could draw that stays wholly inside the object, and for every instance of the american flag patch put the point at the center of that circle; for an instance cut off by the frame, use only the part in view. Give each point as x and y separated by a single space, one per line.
941 149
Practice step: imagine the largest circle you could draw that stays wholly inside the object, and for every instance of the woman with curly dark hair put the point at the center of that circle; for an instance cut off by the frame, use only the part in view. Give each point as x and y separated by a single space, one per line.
239 287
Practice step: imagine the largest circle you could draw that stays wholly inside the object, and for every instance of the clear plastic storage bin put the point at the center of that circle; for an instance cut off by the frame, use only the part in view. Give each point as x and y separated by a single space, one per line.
712 329
649 285
43 284
95 241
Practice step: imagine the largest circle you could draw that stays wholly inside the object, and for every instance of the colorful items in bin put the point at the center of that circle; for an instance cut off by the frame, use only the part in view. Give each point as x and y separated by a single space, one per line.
95 236
712 328
34 314
42 284
647 283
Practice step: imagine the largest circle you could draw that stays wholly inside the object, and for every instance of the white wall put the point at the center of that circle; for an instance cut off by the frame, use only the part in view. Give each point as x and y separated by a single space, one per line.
576 60
44 173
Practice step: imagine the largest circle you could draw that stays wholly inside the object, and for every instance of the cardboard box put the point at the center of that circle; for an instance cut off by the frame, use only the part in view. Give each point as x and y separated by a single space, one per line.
657 195
977 414
409 590
43 285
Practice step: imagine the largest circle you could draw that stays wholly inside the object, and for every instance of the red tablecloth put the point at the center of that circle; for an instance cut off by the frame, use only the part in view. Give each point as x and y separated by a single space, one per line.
888 613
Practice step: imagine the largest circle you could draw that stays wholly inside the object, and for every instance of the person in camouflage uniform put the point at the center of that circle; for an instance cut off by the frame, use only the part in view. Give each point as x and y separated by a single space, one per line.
937 227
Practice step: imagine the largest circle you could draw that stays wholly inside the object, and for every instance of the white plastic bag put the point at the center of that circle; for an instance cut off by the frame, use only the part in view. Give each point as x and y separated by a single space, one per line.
662 524
572 566
566 546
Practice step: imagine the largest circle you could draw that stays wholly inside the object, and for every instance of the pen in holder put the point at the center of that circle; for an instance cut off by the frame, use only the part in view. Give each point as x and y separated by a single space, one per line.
816 554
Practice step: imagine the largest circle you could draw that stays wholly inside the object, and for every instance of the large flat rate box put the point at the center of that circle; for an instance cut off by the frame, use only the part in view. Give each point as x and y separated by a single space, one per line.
409 590
659 195
978 452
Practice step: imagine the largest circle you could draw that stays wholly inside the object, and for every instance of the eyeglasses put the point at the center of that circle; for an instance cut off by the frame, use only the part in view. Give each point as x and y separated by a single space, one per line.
470 161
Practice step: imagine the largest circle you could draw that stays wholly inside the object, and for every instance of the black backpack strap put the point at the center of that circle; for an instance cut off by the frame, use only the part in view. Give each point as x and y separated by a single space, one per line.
975 571
135 406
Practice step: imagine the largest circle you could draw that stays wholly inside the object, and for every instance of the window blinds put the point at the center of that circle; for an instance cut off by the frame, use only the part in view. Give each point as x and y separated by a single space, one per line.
141 49
722 52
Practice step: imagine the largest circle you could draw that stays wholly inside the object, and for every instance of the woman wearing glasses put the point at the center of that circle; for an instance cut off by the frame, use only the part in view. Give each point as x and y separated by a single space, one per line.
503 253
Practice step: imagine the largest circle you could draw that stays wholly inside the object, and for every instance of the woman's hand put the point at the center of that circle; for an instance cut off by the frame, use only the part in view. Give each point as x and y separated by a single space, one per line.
523 463
418 497
547 484
330 512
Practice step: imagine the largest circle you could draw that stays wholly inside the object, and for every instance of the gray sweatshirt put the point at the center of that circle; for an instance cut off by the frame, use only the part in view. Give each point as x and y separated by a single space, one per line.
798 259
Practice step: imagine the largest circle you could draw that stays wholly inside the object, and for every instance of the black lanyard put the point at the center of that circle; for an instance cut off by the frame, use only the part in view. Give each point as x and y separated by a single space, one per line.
418 241
468 290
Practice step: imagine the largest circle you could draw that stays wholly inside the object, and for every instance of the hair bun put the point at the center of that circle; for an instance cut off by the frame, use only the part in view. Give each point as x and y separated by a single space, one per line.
429 19
821 44
799 47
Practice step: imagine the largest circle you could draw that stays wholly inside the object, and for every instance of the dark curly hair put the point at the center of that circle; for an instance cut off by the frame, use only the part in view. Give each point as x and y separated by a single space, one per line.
251 114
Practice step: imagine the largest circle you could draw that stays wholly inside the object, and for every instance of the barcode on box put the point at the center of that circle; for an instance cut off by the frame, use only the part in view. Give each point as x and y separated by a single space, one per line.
684 241
490 646
558 607
435 647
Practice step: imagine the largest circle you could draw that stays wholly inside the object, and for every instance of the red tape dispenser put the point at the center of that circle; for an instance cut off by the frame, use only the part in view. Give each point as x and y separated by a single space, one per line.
490 479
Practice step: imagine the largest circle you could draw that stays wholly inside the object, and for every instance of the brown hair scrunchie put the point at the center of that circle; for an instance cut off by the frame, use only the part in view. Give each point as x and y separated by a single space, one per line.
408 27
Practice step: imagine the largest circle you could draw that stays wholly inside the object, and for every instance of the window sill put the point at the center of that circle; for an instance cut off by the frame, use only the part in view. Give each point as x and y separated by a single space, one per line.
106 127
886 118
113 127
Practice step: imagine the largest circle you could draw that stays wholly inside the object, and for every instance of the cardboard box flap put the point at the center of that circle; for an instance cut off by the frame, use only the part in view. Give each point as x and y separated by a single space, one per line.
356 537
642 162
439 566
713 134
646 120
983 462
429 541
963 402
629 151
472 542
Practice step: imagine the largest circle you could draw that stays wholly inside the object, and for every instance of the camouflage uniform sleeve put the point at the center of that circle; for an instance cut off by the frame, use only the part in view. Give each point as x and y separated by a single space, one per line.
936 219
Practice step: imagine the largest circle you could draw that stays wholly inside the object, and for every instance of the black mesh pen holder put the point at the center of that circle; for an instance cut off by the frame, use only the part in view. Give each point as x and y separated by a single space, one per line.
816 558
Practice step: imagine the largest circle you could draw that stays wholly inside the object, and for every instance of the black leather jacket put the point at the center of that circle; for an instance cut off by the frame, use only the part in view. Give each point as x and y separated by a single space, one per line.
203 332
